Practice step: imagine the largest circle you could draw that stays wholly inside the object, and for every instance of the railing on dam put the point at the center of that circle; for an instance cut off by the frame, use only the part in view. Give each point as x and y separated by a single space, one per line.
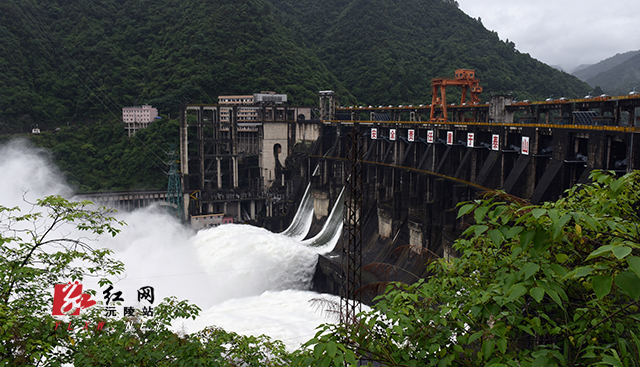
612 111
459 124
126 200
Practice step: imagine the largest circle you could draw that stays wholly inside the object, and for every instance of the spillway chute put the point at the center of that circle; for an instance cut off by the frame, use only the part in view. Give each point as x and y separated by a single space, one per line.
301 223
328 237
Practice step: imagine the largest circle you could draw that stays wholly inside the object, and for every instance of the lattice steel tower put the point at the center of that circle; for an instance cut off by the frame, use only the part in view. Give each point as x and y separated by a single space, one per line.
350 295
174 188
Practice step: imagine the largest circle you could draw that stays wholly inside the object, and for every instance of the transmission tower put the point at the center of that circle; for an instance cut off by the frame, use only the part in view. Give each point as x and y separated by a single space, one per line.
350 297
174 188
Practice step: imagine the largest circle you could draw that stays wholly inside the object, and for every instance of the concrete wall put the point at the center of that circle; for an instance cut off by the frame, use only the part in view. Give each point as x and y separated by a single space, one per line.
274 133
307 131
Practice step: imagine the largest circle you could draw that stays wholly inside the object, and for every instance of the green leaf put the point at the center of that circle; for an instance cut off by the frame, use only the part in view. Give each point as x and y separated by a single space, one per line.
559 269
331 349
527 237
537 213
480 230
582 271
529 269
540 361
465 209
350 358
514 231
516 291
554 296
475 336
475 310
621 251
526 329
634 264
487 348
561 258
601 285
318 350
617 184
537 293
559 225
629 283
611 361
599 251
479 214
502 345
554 214
496 236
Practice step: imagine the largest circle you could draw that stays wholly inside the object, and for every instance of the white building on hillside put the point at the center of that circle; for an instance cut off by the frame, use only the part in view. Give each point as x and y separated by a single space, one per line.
138 117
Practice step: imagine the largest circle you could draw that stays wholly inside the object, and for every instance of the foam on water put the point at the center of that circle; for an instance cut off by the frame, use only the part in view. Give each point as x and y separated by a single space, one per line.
243 260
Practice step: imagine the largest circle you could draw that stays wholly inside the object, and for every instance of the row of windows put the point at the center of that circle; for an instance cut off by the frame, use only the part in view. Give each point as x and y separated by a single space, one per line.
134 121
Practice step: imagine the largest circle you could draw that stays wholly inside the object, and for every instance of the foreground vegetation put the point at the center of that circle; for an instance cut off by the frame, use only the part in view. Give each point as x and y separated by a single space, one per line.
554 284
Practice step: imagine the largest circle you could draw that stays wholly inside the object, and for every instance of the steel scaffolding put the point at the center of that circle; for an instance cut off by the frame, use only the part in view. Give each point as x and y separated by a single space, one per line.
350 296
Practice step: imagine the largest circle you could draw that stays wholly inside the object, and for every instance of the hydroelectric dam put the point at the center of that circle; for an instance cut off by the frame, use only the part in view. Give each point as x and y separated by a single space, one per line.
418 163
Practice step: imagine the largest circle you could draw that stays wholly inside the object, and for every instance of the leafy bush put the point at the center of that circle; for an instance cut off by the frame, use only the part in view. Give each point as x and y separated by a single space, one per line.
554 284
34 257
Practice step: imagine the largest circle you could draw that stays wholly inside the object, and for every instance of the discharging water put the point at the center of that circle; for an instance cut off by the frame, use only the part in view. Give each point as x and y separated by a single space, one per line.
246 279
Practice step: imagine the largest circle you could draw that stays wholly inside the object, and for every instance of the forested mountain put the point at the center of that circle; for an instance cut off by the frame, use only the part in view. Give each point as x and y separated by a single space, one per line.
616 75
73 64
388 51
76 60
591 71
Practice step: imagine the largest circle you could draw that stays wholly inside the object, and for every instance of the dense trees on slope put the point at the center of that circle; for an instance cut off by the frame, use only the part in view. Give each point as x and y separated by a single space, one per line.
99 157
76 60
388 52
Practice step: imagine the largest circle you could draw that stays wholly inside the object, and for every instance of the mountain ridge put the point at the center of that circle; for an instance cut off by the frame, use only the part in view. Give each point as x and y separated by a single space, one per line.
620 79
81 61
590 71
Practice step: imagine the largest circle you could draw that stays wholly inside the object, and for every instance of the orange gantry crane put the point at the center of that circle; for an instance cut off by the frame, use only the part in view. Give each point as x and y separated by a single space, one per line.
465 78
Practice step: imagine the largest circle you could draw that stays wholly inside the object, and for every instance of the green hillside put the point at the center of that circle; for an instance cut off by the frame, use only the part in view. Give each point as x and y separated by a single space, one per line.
620 79
79 59
388 51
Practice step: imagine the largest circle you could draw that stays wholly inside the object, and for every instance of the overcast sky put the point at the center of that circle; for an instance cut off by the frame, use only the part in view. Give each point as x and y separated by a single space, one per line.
562 32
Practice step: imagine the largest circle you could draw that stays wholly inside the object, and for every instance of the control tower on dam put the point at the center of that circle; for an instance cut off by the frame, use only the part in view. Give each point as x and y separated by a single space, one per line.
234 156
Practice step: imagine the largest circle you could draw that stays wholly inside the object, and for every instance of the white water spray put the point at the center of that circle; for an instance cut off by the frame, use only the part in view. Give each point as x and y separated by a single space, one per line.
246 279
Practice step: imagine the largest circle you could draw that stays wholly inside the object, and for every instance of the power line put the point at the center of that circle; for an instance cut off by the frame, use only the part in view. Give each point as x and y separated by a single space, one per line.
425 8
43 33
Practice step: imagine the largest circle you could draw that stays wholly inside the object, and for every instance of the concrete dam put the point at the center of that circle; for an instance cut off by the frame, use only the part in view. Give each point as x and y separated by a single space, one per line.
418 163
